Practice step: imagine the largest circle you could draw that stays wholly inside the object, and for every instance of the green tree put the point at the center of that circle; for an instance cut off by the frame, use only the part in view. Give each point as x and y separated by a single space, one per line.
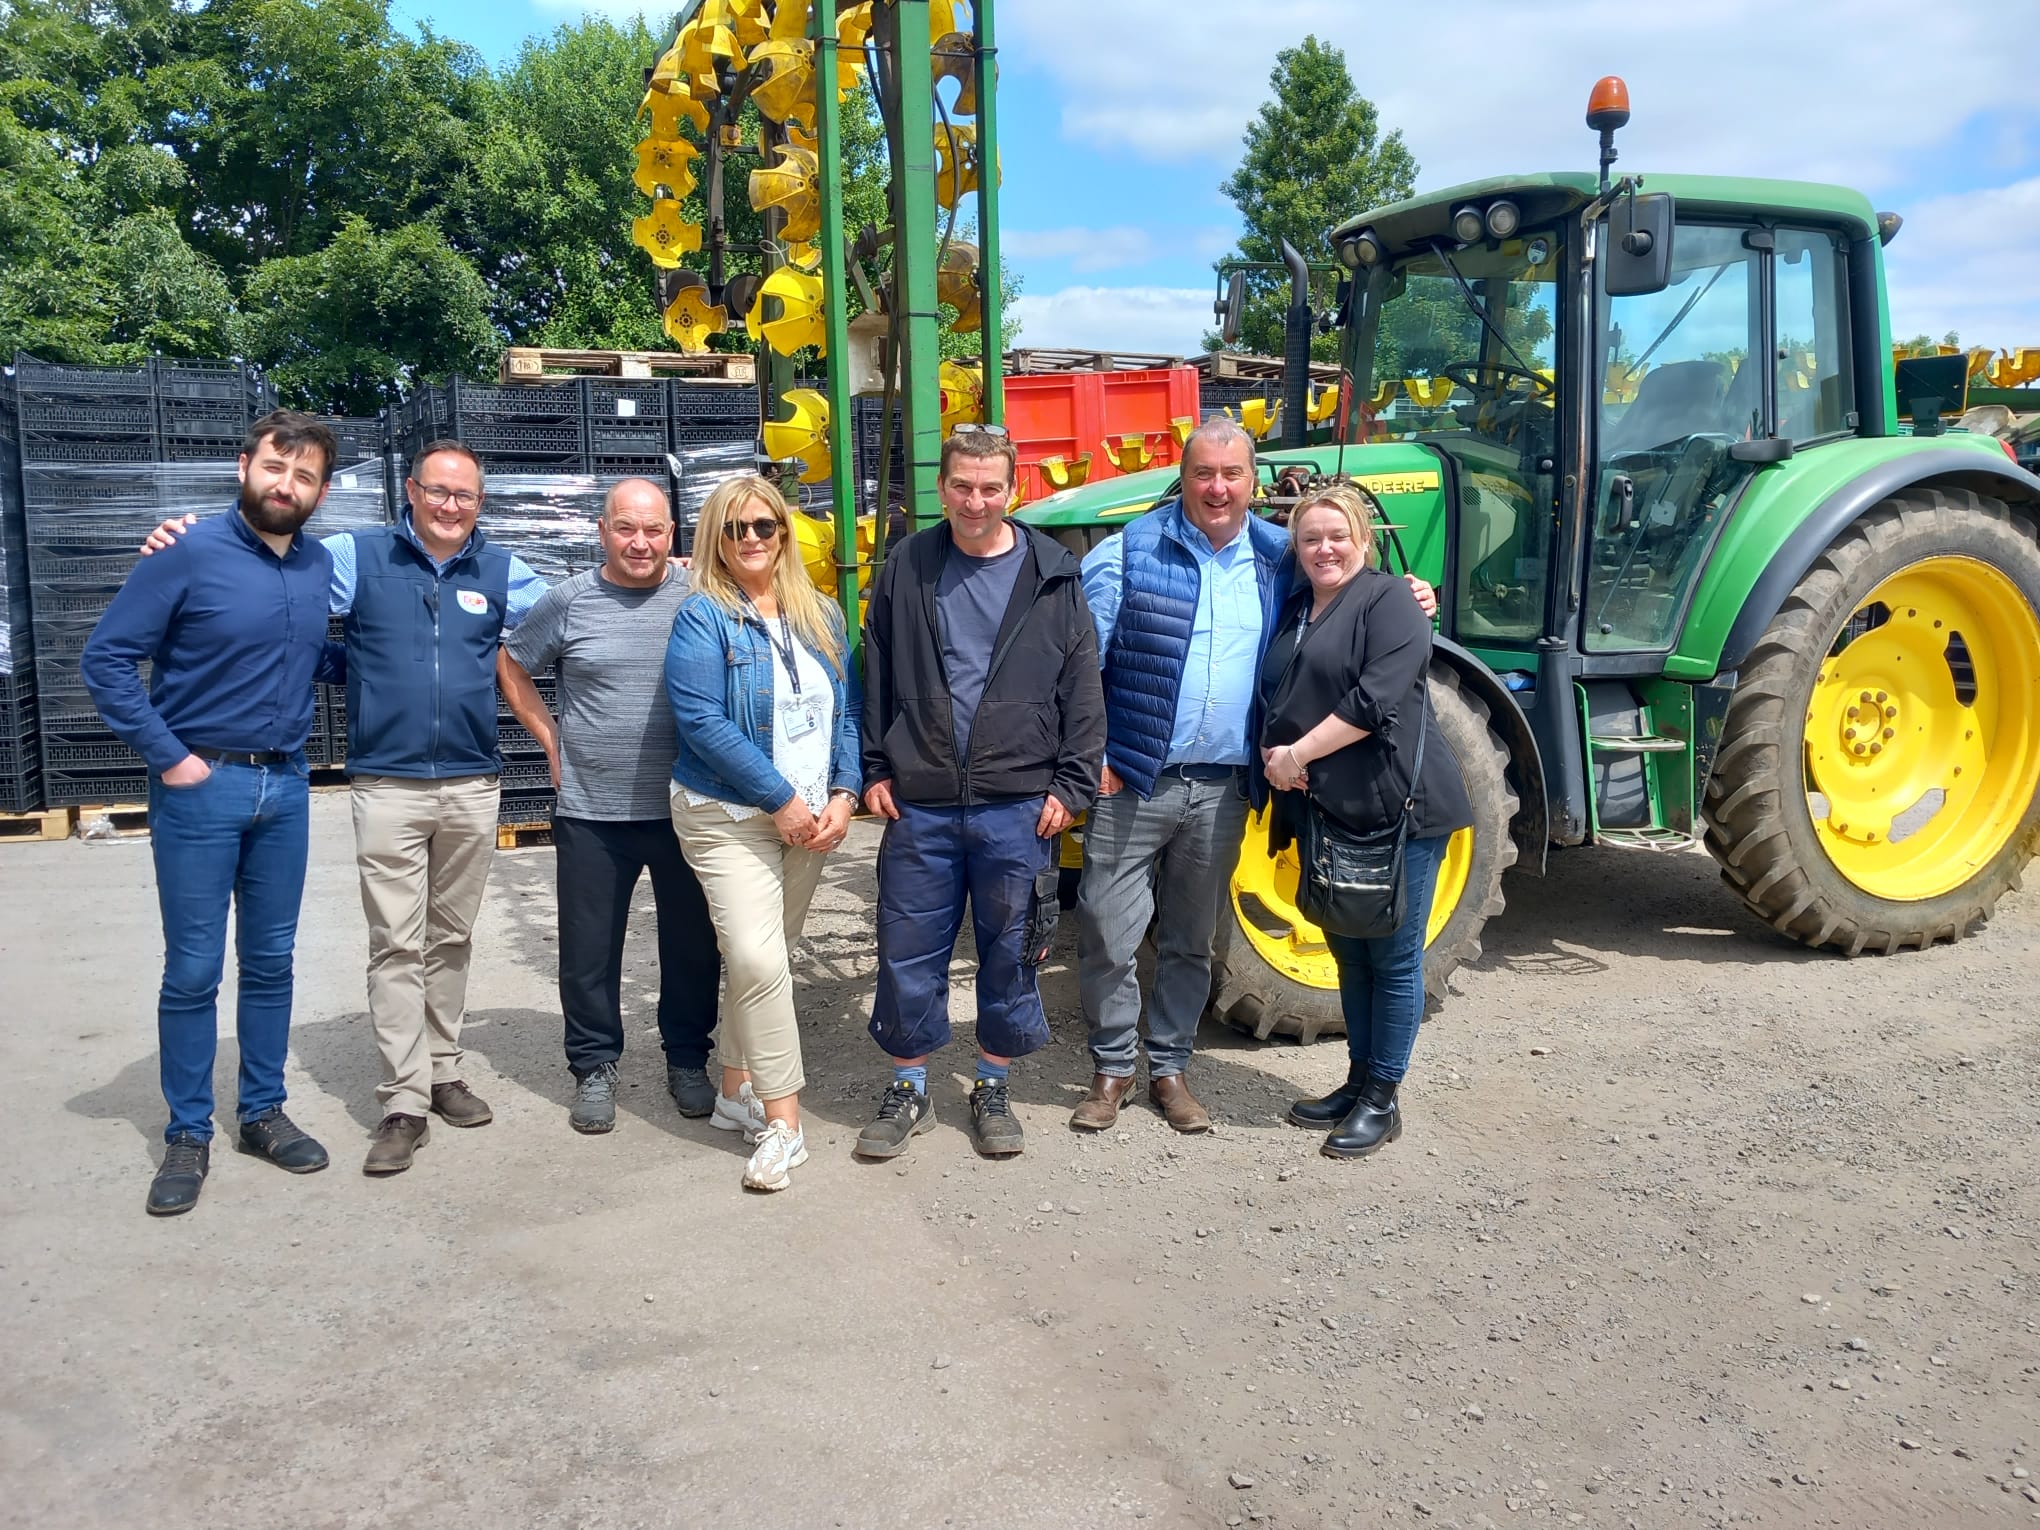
350 328
1314 156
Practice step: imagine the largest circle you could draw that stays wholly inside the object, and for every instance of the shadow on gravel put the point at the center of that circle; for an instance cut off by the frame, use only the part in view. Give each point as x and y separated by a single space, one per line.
1594 905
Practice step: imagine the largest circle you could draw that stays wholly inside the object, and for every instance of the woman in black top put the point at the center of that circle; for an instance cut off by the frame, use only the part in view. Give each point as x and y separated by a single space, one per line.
1342 698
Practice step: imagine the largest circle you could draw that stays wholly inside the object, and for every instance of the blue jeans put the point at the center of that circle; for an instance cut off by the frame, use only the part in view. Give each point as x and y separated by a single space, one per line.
240 835
1381 981
930 860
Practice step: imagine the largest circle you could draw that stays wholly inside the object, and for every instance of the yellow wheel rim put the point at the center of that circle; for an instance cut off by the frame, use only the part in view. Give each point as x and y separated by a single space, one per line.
1923 730
1264 902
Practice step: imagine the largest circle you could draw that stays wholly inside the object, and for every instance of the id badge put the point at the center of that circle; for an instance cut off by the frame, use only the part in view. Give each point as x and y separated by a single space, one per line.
802 718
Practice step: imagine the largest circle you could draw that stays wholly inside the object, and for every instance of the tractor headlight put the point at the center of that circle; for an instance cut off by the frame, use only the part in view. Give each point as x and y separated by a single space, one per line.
1503 218
1363 249
1467 224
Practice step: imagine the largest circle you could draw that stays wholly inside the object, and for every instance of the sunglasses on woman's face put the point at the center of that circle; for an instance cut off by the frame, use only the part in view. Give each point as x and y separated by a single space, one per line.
765 529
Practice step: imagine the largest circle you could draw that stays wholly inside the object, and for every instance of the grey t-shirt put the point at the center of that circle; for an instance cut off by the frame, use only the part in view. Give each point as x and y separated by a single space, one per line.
970 602
616 732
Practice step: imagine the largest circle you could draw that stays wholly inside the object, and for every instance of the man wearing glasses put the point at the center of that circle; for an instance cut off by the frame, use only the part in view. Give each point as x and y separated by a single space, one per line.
426 603
984 725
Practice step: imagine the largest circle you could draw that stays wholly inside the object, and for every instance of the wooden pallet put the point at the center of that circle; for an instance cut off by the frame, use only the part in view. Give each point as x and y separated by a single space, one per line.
38 827
523 836
1238 366
522 363
112 820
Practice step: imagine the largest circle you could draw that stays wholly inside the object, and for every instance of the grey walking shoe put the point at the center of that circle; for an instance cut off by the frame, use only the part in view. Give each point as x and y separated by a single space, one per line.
994 1129
595 1100
904 1112
691 1090
175 1188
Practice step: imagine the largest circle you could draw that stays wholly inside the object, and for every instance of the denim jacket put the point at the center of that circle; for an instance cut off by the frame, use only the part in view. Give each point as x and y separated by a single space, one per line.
719 681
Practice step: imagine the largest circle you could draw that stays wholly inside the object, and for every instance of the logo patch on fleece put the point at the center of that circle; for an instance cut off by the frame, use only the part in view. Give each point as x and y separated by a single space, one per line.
474 601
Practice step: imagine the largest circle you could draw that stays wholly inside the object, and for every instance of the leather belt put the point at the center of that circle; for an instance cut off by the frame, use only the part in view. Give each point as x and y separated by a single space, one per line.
1201 772
243 756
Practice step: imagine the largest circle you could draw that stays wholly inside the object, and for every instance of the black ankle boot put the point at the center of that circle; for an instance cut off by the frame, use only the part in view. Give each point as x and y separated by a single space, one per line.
1328 1111
1374 1121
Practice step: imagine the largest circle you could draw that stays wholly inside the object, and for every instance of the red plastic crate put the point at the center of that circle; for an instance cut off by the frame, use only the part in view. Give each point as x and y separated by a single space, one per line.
1069 413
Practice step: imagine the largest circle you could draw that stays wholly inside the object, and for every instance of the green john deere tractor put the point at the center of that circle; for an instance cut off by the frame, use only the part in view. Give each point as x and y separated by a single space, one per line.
1698 579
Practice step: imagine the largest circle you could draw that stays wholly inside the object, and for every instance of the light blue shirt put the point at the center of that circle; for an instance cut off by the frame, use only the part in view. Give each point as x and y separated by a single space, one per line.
1224 662
525 583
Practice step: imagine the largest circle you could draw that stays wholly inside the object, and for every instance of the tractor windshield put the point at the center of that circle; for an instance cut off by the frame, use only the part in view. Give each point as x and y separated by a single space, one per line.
1458 349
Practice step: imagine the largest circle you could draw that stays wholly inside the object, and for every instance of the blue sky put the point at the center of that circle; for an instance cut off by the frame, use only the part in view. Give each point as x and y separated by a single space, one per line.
1118 120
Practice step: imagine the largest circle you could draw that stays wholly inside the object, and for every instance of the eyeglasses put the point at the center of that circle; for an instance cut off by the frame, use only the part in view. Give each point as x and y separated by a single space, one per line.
436 496
970 429
763 530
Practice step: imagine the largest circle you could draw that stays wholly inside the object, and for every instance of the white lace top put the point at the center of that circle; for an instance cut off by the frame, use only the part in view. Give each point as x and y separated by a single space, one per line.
799 753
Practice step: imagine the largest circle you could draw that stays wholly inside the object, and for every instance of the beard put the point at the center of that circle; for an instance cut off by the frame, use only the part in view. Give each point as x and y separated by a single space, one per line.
277 520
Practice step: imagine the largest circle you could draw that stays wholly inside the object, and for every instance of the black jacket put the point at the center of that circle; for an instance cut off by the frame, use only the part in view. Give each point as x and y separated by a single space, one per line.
1365 659
1040 727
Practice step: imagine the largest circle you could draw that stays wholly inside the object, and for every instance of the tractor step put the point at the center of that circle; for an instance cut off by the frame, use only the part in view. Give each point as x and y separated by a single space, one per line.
1634 743
1645 839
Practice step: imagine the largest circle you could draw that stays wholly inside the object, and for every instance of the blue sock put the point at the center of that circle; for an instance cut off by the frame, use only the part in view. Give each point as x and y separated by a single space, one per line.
991 1072
918 1077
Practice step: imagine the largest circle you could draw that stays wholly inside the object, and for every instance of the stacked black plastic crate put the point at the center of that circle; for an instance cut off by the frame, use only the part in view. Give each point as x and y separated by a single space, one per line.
20 754
90 492
867 427
715 438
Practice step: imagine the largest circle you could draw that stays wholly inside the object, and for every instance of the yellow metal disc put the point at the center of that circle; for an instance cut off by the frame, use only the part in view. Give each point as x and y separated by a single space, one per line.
1923 729
667 162
800 322
690 320
787 91
792 187
665 235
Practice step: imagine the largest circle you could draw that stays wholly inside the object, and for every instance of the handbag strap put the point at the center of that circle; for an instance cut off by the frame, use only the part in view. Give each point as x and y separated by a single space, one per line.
1423 730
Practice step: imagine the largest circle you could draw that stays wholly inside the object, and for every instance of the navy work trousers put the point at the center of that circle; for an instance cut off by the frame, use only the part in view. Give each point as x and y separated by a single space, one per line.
930 860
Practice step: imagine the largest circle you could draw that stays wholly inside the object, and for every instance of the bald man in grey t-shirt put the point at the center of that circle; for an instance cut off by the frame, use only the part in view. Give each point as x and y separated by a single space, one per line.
612 752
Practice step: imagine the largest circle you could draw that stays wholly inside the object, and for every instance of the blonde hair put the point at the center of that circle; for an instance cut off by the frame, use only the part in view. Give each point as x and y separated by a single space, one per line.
800 602
1350 500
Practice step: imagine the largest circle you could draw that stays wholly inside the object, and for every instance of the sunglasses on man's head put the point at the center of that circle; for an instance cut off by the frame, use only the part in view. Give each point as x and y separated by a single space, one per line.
969 429
764 529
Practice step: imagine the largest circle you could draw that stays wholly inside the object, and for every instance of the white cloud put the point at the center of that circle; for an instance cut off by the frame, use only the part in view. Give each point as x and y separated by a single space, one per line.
1855 91
1086 249
1164 320
1107 249
1965 262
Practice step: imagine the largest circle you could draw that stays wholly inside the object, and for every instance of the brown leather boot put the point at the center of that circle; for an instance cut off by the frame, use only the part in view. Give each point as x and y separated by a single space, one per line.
457 1105
395 1140
1100 1108
1171 1095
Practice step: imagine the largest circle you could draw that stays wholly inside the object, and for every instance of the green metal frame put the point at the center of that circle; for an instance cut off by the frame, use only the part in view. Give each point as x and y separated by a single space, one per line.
836 312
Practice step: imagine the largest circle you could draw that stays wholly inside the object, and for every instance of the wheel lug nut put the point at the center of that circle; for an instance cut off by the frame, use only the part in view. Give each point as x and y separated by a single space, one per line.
1866 696
1883 696
1859 749
1877 749
1890 732
1891 711
1848 733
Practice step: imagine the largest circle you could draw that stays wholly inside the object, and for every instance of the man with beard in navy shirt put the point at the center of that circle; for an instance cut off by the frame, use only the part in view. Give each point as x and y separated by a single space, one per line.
233 622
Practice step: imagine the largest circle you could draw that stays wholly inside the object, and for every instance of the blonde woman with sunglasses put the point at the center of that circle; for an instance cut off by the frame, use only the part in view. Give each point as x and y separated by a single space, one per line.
766 778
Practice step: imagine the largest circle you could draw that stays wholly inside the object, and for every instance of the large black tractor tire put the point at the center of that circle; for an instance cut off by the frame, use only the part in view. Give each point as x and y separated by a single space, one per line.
1250 994
1759 811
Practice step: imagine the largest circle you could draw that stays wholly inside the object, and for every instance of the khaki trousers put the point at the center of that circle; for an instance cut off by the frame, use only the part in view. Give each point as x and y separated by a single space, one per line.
423 849
758 889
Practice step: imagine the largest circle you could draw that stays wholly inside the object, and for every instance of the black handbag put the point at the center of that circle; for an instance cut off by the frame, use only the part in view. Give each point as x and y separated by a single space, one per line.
1352 883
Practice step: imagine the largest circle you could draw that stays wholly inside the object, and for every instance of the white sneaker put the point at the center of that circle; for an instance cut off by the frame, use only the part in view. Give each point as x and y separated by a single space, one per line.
743 1114
781 1149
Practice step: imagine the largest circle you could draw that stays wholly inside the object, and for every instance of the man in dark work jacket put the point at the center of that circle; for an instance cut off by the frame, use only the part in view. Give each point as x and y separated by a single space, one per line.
983 729
235 627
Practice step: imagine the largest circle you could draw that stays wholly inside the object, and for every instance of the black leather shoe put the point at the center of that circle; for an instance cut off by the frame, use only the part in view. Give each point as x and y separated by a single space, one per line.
176 1185
1329 1110
1374 1121
276 1137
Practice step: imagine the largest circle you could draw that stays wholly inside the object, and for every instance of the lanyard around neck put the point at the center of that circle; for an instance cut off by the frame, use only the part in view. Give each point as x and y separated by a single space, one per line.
782 641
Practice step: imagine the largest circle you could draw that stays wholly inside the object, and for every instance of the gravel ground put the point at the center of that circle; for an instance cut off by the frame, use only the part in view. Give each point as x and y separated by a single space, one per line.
1687 1227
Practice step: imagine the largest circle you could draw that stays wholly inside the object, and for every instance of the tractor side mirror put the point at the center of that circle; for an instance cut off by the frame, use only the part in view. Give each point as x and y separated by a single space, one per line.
1638 257
1232 306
